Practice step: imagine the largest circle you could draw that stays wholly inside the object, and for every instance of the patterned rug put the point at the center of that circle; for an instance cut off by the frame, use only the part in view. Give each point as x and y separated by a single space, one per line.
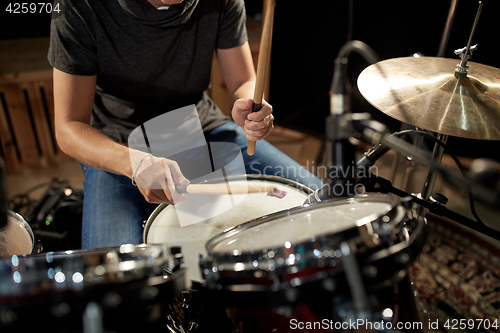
458 279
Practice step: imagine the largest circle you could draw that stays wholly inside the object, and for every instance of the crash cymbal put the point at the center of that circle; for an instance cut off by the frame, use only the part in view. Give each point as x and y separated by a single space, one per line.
424 92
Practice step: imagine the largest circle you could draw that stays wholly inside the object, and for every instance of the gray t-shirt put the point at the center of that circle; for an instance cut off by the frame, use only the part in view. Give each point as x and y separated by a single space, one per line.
147 61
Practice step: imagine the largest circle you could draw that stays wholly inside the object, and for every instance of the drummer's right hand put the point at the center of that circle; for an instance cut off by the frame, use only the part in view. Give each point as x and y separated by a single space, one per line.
156 179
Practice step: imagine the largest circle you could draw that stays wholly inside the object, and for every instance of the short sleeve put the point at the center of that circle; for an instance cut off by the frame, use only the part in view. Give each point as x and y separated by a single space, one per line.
72 47
232 29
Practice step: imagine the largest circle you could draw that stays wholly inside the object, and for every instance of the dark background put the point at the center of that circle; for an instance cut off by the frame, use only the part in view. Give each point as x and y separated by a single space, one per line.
23 25
309 34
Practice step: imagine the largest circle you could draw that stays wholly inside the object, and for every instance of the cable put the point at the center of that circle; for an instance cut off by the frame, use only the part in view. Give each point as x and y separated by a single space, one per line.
457 161
21 200
350 26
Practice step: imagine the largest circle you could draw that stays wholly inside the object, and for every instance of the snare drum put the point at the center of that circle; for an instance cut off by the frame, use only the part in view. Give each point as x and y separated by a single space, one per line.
17 237
163 225
324 260
113 288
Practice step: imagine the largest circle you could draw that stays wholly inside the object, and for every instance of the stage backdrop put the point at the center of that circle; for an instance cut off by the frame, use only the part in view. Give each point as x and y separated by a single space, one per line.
308 36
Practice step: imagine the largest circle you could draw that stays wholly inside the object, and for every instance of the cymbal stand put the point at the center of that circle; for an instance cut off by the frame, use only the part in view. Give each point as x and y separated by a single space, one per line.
460 72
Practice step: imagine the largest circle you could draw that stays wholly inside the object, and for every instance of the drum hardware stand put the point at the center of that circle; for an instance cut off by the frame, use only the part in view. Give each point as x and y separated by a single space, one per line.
408 251
410 167
178 261
361 126
355 283
437 155
460 73
436 204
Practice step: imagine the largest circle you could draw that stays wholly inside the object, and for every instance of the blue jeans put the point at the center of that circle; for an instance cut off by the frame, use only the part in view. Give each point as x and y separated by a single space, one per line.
114 209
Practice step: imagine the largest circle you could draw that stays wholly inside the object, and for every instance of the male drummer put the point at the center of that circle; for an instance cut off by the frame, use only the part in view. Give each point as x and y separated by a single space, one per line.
118 64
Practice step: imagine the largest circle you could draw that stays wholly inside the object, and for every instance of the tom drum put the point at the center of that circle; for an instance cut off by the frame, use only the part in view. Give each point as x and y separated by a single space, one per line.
331 260
16 237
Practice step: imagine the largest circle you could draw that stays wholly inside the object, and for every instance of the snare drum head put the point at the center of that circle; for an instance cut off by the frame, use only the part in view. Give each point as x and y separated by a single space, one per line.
301 225
17 237
164 227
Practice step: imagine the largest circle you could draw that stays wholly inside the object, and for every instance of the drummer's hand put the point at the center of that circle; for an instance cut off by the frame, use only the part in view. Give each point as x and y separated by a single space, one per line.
156 179
257 125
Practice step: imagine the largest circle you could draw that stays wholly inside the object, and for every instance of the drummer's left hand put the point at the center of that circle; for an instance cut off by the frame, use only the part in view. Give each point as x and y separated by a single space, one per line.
257 125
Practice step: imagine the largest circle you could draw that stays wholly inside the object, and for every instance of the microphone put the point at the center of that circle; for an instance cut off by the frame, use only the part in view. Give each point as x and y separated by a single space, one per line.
371 156
3 197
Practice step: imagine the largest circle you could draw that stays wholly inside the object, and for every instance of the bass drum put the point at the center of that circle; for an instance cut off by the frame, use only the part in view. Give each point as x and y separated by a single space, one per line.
17 237
163 225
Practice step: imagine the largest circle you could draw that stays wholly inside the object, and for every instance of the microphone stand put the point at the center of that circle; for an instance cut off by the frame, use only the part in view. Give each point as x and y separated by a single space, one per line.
340 152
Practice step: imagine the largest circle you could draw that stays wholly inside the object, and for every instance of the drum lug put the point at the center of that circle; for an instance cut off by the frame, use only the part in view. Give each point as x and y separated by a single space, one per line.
178 257
39 246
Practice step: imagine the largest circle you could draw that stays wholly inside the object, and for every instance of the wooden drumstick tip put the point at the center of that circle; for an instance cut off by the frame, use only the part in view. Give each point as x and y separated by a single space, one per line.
251 148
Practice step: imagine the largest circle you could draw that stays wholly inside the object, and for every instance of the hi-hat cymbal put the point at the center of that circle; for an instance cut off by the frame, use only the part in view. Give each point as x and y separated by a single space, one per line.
424 92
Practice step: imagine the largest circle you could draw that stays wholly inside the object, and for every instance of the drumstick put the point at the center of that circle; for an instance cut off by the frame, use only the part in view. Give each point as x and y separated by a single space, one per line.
264 55
224 188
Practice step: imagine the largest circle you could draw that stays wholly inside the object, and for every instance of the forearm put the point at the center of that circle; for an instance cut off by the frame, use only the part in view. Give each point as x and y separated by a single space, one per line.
245 90
91 147
73 102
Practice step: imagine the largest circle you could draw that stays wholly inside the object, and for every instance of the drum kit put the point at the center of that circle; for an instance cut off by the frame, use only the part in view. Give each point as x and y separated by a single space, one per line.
269 264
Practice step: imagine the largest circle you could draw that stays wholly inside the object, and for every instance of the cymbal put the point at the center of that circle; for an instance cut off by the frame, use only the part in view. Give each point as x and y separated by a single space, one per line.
424 92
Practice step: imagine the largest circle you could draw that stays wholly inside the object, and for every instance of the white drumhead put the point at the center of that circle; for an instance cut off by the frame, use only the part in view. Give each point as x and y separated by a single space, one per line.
165 226
16 237
302 226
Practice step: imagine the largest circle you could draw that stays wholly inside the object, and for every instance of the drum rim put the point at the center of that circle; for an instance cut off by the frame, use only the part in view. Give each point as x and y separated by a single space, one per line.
151 265
277 179
245 261
18 217
307 207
